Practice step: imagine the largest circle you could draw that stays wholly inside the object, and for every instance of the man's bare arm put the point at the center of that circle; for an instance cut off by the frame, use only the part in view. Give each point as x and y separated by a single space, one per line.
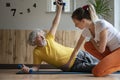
56 20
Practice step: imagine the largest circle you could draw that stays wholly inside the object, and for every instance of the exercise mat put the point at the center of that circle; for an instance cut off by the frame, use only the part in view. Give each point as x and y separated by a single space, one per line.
57 72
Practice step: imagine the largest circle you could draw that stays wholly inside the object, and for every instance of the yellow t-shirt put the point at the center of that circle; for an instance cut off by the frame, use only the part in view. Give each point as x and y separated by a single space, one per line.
53 53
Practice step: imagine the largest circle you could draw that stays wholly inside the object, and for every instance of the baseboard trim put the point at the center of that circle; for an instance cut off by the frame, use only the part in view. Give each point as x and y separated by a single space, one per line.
15 66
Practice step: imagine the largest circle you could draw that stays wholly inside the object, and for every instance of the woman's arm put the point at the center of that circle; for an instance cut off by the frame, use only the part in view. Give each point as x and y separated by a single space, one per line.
101 45
79 43
76 49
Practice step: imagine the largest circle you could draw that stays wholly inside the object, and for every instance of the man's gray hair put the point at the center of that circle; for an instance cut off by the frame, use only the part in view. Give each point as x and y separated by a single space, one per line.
33 35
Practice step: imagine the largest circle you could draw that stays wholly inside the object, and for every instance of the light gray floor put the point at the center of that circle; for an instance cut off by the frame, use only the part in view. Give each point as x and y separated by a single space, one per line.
10 74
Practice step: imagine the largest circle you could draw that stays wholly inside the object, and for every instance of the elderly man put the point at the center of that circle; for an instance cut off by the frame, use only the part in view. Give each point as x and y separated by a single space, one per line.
48 50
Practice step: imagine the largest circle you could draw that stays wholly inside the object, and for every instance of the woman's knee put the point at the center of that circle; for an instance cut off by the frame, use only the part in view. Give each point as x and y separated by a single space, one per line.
101 69
97 72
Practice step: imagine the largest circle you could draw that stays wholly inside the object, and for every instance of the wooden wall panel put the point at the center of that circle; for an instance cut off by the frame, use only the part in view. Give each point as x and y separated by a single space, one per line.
6 46
29 50
20 45
10 46
14 48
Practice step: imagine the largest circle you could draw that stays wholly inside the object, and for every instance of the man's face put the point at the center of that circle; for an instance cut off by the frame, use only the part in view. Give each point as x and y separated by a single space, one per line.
40 40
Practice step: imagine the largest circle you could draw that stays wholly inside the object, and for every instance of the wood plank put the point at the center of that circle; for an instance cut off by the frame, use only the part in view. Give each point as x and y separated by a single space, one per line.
29 49
58 37
10 46
20 44
14 48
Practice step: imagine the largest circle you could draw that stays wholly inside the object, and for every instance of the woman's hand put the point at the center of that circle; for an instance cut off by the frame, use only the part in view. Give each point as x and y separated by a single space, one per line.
94 43
65 67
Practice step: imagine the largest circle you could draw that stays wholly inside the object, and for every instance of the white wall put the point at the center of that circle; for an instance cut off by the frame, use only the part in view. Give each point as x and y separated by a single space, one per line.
111 17
38 18
117 14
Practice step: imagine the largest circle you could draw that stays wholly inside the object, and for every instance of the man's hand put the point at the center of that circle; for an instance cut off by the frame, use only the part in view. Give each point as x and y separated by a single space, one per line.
58 4
25 69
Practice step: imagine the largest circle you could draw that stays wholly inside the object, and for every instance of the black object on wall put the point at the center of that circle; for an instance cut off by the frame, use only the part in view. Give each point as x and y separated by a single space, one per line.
14 11
8 4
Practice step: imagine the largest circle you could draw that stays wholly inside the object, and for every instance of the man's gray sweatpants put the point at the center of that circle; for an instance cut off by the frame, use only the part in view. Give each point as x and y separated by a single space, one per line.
84 62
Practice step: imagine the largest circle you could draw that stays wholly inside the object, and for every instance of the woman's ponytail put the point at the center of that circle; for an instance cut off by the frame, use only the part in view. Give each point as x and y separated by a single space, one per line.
92 12
87 12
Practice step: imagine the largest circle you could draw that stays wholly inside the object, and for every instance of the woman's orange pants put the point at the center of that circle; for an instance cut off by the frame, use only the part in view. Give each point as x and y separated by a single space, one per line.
109 61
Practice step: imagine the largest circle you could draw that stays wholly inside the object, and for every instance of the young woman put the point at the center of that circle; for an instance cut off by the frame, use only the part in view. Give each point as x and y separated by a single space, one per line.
104 41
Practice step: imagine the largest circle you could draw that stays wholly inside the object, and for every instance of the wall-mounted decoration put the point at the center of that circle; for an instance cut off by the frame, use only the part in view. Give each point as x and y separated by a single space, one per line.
28 10
34 5
21 13
68 5
16 10
8 4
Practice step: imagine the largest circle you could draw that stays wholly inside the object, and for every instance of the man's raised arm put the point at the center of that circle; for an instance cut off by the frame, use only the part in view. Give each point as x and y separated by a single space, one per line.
56 20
